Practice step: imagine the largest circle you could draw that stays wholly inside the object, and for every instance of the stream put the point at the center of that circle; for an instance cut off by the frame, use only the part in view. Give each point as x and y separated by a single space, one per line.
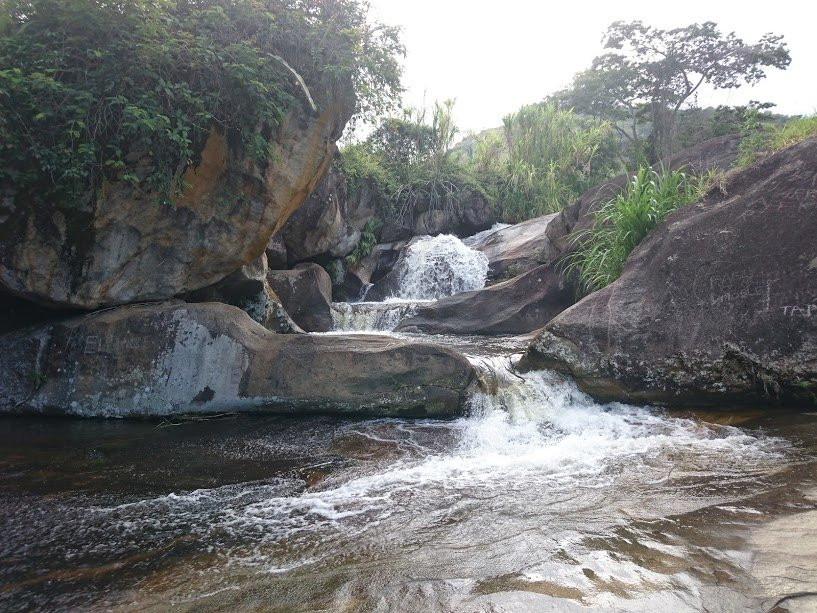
538 499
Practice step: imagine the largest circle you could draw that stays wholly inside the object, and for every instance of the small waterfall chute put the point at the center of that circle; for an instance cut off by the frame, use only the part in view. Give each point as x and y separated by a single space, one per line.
438 266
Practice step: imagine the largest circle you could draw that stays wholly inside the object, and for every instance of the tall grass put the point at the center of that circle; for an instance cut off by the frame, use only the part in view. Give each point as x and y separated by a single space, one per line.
763 140
622 223
553 157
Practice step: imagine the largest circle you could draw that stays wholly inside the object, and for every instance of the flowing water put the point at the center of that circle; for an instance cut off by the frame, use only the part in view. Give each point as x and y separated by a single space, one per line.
537 499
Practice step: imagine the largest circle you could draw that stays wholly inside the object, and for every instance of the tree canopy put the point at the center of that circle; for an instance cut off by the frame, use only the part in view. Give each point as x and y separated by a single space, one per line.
653 73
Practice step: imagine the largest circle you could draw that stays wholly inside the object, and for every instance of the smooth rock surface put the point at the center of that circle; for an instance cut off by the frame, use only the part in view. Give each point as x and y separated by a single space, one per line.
519 305
306 294
518 248
122 246
175 357
717 307
321 226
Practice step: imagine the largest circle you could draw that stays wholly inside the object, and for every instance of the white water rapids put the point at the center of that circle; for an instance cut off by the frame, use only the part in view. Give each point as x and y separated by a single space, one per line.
531 485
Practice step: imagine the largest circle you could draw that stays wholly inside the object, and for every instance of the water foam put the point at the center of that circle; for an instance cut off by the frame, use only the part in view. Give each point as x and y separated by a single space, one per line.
440 266
538 434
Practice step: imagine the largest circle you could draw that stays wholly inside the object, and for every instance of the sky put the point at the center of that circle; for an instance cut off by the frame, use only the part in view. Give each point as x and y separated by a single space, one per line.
495 56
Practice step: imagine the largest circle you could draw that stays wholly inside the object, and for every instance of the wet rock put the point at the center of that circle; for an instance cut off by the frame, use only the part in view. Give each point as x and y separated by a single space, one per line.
120 245
306 294
717 307
207 358
518 248
248 289
472 215
519 305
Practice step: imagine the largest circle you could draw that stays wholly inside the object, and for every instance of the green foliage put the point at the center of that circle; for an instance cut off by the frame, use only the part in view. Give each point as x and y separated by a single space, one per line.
553 157
407 165
760 139
622 223
368 239
85 85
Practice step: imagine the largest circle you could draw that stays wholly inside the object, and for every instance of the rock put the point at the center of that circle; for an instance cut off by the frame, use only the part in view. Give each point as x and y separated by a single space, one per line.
306 293
170 358
716 308
276 251
516 249
248 289
522 304
121 246
375 266
321 226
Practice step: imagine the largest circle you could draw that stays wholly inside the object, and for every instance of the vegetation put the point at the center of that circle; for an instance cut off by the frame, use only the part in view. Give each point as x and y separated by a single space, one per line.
763 139
544 158
368 239
553 157
407 164
650 74
84 84
622 223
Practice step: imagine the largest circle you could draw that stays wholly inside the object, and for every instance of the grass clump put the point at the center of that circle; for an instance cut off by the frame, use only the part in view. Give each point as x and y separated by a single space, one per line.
760 140
622 223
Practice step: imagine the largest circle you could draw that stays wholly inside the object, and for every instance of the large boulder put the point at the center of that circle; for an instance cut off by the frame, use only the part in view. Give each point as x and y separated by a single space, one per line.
518 248
519 305
472 214
276 252
120 245
716 308
248 288
206 358
321 226
306 294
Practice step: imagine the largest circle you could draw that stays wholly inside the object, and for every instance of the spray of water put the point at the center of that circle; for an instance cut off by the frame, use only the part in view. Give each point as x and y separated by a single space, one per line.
440 266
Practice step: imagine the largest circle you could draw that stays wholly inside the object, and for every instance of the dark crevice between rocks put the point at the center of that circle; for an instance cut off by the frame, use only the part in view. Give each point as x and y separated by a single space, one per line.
16 313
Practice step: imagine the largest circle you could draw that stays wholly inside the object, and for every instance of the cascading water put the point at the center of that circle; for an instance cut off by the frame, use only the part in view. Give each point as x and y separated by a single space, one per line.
440 266
433 268
538 498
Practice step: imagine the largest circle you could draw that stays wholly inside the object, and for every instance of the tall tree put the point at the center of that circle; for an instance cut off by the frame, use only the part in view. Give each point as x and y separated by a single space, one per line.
659 71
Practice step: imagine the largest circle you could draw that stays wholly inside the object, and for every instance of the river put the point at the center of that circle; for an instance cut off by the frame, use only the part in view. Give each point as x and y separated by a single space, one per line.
538 499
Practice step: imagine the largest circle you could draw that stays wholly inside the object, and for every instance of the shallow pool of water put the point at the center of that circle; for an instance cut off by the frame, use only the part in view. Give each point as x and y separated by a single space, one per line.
539 499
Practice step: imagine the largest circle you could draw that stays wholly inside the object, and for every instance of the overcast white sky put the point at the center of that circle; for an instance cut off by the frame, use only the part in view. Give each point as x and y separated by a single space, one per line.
494 56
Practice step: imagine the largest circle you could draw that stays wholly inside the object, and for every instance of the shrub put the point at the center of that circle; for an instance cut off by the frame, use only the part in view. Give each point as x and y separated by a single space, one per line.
407 164
85 83
622 223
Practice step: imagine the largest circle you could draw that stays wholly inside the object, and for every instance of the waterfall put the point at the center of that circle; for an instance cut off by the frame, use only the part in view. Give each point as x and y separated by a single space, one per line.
440 266
433 267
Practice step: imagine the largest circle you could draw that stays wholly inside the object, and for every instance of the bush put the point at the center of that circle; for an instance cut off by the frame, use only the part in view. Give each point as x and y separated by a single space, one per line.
85 83
408 165
622 223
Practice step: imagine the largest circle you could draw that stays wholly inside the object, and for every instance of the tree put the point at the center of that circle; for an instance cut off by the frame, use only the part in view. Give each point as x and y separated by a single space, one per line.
656 72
